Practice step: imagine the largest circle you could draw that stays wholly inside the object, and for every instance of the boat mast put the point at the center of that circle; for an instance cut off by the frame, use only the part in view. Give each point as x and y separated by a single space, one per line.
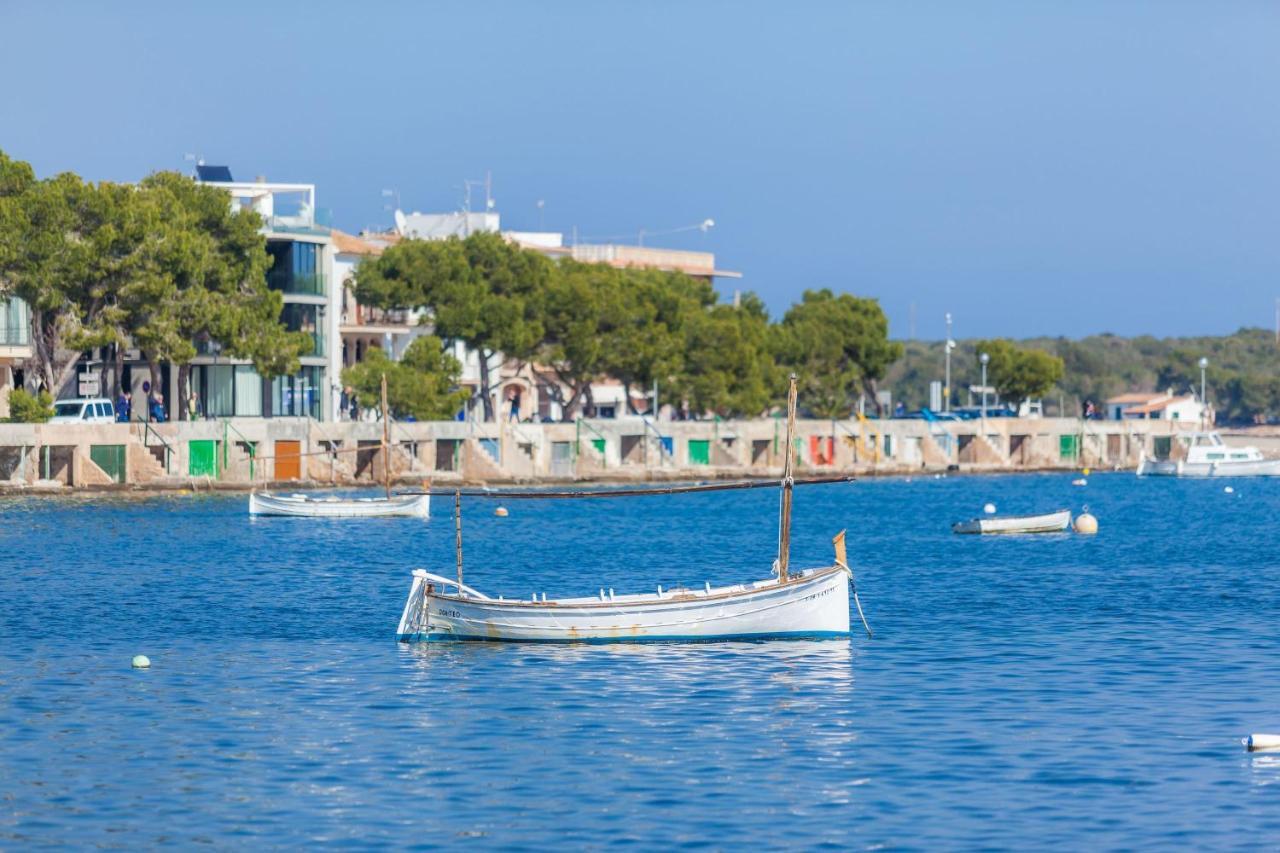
788 482
386 440
457 532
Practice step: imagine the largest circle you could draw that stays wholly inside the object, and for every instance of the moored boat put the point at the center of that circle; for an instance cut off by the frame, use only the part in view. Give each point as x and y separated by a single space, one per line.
1207 455
1050 522
264 503
811 604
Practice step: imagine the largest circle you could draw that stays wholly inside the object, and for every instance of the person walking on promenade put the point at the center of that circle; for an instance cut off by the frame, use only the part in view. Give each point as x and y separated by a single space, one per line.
124 407
193 407
157 408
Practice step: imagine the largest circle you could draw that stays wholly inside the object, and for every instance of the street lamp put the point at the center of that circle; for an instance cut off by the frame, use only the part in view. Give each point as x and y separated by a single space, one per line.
984 358
946 385
1204 403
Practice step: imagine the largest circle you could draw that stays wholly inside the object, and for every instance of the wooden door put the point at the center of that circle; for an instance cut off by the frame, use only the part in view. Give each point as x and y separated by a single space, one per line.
288 460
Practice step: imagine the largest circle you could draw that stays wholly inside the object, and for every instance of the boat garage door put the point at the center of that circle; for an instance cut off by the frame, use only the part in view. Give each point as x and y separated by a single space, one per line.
288 460
110 458
699 451
202 458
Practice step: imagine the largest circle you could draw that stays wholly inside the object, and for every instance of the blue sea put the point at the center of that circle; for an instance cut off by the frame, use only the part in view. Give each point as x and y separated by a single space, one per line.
1046 692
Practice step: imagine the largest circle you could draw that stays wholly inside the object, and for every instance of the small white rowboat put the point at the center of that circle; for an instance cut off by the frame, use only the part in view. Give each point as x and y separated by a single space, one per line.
812 604
418 506
1053 522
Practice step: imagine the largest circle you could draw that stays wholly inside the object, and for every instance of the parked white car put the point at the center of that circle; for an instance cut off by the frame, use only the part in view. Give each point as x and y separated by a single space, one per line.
94 410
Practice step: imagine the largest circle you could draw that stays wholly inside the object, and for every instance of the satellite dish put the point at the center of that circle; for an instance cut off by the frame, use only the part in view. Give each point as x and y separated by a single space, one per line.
400 221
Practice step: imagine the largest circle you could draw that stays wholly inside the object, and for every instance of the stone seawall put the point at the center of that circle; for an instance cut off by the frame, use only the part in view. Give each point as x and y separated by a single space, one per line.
250 453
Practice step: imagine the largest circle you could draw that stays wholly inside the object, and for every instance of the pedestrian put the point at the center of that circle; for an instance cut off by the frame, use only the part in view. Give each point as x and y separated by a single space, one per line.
193 407
157 408
124 407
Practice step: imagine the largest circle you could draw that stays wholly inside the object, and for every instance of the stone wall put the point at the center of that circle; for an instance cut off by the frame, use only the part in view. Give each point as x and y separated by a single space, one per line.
244 453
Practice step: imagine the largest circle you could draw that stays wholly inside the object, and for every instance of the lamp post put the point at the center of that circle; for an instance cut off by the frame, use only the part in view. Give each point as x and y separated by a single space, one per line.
984 358
1204 403
946 385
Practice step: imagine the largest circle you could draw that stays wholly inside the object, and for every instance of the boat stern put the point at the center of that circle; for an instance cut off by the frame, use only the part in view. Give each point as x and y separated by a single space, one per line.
414 618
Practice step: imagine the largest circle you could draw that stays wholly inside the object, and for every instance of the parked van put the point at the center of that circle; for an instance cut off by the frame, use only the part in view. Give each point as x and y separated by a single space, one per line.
94 410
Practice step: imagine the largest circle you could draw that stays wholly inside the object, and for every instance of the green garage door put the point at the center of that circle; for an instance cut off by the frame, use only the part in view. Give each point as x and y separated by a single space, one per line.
699 451
110 458
202 458
1068 446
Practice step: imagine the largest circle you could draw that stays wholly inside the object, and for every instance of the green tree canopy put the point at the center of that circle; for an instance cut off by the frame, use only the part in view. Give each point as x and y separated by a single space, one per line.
1019 374
728 366
838 347
482 290
423 385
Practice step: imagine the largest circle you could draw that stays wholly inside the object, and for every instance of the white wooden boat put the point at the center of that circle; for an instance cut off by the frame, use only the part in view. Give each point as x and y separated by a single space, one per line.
1051 522
264 503
812 604
1209 456
809 604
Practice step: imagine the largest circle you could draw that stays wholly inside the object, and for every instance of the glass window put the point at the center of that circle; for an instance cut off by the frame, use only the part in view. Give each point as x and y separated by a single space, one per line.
87 414
65 410
220 390
248 392
298 396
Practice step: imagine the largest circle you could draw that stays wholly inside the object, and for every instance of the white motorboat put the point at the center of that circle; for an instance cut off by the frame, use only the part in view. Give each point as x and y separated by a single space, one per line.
808 604
1207 455
264 503
1050 522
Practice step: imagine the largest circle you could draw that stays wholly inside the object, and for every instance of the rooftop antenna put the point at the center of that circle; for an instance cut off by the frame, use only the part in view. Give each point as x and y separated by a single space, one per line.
392 193
193 158
540 204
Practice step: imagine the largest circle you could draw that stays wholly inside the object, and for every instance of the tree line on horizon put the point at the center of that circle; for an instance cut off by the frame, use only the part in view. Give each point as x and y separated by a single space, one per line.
1242 379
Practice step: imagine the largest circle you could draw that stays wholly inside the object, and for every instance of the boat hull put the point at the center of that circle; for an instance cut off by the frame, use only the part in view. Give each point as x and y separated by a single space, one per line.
417 506
1249 468
1053 522
811 606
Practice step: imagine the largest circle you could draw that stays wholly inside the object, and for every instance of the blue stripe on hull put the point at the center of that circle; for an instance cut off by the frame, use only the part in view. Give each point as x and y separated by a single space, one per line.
780 635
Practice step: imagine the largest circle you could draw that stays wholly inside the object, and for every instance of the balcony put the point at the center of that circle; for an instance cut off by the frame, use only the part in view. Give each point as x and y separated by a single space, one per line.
297 284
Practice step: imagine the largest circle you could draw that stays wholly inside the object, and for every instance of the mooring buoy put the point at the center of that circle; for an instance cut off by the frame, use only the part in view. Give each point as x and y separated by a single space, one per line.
141 662
500 512
1085 523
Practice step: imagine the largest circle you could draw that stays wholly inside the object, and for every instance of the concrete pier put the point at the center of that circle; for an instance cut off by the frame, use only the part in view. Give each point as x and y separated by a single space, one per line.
254 452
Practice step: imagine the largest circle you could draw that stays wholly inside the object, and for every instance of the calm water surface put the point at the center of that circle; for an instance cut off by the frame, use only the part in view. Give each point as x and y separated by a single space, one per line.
1040 692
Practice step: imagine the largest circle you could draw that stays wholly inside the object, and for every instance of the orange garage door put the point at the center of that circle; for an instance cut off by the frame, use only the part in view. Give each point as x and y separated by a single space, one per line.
288 460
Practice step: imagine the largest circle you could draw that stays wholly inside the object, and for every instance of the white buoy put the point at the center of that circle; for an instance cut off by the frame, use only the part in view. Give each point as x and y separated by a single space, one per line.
1085 523
989 509
1228 489
1256 742
141 662
500 512
1080 481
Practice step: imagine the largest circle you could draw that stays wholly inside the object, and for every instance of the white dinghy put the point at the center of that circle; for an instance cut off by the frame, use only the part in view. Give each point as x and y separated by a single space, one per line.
416 505
809 604
1051 522
265 503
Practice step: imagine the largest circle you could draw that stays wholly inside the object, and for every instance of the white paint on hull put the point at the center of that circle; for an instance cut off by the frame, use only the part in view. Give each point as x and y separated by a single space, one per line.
1052 522
812 604
418 506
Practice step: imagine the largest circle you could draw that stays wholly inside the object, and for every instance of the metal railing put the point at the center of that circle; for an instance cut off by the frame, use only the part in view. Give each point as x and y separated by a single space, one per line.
294 283
252 446
147 432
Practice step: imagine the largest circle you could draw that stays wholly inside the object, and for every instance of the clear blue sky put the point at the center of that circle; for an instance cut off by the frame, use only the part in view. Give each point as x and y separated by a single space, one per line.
1035 167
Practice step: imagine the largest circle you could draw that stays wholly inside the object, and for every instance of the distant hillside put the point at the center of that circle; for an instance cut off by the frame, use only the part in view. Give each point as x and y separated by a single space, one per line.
1243 376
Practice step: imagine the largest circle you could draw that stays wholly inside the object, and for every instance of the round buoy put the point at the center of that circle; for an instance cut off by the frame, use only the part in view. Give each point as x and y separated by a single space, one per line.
141 661
1080 481
1228 490
500 512
1086 523
1085 472
989 509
